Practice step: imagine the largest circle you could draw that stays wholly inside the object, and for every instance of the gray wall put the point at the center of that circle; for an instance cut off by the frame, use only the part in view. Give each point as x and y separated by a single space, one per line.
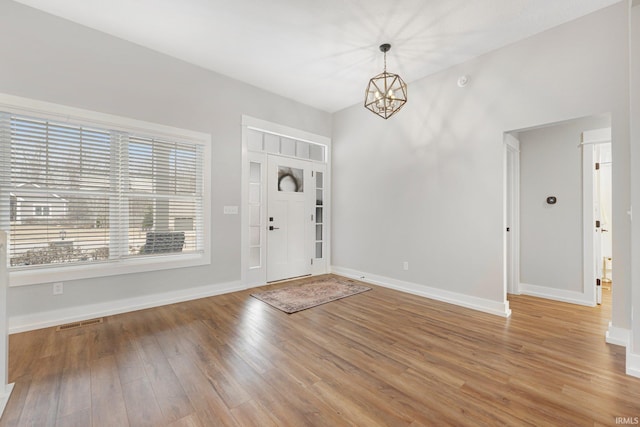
427 185
51 59
424 186
635 175
551 235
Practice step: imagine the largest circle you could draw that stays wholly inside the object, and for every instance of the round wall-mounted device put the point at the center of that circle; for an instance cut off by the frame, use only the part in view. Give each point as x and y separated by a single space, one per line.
551 200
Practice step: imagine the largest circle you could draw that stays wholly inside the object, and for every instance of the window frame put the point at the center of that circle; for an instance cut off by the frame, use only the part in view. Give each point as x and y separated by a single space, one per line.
76 116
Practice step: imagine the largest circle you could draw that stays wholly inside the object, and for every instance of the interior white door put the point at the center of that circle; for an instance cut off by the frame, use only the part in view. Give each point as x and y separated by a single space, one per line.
289 218
592 250
597 236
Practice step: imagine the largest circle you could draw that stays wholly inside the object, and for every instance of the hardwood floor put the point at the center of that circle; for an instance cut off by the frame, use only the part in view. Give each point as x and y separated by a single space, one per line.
378 358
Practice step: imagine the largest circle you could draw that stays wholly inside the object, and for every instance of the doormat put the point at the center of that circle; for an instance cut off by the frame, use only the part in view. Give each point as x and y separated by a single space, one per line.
300 297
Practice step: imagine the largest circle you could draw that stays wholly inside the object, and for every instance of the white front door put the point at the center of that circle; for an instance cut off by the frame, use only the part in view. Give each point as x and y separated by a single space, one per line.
289 218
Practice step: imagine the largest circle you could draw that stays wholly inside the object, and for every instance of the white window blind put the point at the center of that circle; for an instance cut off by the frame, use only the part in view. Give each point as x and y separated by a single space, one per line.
76 194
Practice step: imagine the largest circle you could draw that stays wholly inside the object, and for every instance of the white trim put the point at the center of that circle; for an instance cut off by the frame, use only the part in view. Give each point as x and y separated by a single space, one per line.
617 336
286 131
4 397
596 136
475 303
42 275
62 113
511 203
5 389
590 264
589 268
633 364
74 314
563 295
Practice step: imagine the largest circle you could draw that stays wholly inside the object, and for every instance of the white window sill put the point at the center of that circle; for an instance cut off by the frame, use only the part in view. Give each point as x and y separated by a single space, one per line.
42 275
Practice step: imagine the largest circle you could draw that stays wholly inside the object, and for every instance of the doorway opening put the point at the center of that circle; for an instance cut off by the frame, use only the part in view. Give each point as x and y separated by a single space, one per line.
558 210
597 205
605 187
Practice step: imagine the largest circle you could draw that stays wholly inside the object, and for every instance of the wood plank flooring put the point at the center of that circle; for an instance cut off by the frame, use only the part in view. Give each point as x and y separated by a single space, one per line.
380 358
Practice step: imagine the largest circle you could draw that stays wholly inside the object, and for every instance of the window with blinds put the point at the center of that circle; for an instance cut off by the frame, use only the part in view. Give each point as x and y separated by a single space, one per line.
75 194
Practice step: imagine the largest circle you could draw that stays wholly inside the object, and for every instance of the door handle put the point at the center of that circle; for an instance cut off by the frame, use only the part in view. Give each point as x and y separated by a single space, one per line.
271 227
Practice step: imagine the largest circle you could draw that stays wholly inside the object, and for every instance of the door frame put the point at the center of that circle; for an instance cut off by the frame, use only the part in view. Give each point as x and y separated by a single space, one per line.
257 276
512 258
5 387
512 215
589 264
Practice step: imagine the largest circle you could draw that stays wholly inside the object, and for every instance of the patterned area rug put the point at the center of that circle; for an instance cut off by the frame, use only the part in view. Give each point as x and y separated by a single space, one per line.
300 297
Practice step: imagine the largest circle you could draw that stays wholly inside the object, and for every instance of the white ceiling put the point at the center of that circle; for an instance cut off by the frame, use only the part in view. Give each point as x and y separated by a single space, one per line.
320 52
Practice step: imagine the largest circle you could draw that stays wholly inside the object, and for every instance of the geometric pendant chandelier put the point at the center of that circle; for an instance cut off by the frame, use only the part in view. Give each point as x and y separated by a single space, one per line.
386 93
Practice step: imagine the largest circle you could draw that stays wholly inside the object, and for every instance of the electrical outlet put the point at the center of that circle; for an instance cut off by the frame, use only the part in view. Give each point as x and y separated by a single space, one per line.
58 288
405 265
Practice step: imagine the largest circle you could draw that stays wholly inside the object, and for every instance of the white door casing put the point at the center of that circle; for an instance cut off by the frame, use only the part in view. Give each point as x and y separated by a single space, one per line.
592 258
5 389
512 214
597 236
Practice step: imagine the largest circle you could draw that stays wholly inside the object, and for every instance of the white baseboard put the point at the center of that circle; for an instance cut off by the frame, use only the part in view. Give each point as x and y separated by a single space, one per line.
618 336
475 303
74 314
4 397
633 362
563 295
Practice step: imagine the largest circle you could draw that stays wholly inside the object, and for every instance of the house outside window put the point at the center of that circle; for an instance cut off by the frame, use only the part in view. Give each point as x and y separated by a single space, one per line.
41 210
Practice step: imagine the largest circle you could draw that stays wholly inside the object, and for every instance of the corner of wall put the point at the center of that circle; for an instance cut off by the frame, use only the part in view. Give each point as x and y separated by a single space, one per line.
617 336
4 397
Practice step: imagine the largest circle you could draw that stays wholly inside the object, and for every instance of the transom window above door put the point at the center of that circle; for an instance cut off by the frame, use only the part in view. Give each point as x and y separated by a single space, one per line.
261 141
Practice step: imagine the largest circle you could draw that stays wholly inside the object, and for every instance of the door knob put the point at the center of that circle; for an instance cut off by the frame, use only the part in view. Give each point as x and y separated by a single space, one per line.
271 227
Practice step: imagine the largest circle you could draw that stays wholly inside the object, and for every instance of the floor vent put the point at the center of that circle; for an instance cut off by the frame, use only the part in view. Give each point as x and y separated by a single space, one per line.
76 325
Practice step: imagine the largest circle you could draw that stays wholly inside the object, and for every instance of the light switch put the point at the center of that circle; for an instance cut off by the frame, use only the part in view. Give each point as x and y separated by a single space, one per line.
231 210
